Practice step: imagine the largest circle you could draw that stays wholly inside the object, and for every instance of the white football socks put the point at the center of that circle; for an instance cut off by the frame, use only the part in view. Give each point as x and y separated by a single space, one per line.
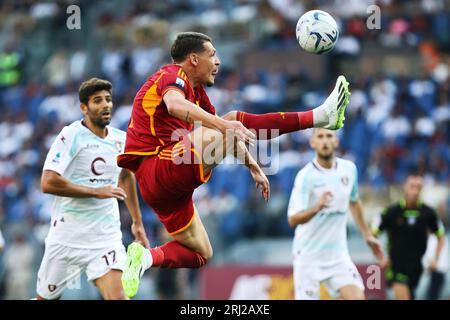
147 261
320 117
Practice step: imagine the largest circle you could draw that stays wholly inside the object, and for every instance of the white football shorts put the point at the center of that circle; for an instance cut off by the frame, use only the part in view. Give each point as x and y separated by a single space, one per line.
308 277
61 267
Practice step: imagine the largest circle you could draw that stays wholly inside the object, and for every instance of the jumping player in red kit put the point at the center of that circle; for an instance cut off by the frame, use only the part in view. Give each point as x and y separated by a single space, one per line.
160 133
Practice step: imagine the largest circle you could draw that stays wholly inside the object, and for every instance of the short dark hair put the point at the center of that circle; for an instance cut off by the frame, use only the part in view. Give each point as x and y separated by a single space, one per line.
414 171
186 43
91 86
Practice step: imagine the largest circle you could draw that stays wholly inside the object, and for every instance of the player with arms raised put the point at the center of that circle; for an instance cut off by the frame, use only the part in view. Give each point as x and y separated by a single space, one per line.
170 101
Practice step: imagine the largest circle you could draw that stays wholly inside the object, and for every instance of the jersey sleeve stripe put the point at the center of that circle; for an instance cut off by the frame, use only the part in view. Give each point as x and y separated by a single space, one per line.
183 75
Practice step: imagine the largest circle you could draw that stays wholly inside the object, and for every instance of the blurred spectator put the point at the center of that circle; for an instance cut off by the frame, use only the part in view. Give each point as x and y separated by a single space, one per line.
396 125
18 267
57 69
10 66
77 66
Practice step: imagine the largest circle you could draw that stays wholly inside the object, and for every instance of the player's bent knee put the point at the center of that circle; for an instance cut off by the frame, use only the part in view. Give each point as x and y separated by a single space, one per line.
204 256
201 262
209 254
232 115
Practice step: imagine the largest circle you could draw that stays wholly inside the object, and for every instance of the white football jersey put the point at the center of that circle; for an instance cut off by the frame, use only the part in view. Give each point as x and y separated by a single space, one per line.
85 159
323 239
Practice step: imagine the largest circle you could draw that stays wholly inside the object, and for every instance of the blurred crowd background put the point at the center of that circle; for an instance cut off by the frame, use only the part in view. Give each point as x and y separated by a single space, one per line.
398 117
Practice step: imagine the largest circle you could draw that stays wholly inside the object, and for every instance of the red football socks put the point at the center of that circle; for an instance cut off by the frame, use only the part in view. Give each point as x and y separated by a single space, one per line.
283 121
174 255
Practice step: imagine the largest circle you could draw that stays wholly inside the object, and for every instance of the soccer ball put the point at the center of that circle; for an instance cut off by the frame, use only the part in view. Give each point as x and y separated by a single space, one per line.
317 32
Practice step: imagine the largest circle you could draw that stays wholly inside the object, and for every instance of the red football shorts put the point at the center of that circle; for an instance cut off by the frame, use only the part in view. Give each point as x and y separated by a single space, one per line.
167 187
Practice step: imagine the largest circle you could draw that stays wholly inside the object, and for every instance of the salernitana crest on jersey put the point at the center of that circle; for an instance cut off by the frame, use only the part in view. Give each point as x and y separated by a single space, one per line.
51 287
344 180
118 146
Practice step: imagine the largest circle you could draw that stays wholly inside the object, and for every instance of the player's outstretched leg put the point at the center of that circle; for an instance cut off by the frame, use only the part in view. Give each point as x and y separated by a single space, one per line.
137 257
189 249
172 254
330 115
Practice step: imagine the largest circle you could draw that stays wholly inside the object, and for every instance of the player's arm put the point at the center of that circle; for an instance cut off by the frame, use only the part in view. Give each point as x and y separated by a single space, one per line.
356 209
53 183
127 182
440 245
179 107
358 214
300 210
61 154
258 175
374 244
438 229
381 222
304 216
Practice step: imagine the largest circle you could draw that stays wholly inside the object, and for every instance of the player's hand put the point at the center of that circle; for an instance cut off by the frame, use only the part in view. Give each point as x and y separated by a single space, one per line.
377 249
384 262
324 200
432 266
110 192
138 230
238 130
261 181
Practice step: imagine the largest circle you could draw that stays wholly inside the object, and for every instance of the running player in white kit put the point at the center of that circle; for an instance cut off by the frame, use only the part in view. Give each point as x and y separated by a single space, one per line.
323 192
81 171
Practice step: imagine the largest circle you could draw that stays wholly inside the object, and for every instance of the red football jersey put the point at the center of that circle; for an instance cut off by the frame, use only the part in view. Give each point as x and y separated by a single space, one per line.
151 127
